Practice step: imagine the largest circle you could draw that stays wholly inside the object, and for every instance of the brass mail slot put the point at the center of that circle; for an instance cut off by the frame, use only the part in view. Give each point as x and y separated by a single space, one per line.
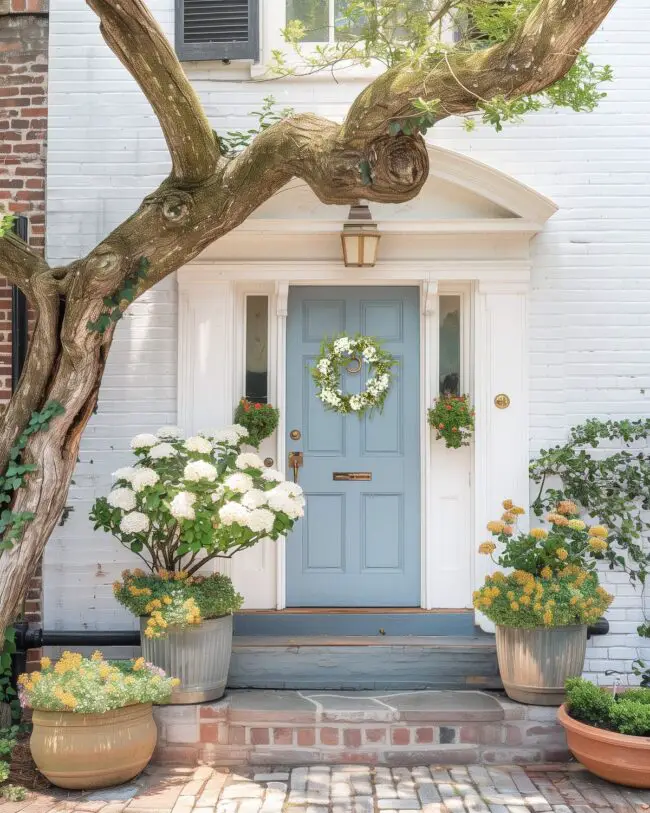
352 475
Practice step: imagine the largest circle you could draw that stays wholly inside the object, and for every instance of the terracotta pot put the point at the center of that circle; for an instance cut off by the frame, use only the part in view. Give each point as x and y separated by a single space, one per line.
619 758
84 751
535 663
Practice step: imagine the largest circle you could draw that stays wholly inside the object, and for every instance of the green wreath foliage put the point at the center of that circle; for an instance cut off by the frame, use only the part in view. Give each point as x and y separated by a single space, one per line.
336 354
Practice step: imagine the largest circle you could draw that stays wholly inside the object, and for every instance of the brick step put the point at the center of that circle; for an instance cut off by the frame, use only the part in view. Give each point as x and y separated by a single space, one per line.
378 662
398 728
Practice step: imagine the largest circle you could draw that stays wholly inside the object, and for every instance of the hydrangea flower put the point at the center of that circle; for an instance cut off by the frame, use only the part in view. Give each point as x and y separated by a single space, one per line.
273 475
200 470
144 477
162 450
123 498
249 460
255 498
198 444
233 512
143 441
239 482
134 523
169 433
181 507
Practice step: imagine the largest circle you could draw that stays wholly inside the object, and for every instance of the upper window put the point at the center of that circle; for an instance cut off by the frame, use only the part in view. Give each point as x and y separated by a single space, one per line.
217 29
319 18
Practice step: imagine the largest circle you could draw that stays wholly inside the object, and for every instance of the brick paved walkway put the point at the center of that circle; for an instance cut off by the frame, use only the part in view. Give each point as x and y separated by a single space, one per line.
351 789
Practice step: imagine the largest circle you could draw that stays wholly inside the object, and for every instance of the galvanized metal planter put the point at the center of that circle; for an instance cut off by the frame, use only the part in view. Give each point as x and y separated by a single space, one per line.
535 663
199 656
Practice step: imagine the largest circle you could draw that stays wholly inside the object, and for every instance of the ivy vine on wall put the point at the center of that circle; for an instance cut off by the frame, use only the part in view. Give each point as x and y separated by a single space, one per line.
611 482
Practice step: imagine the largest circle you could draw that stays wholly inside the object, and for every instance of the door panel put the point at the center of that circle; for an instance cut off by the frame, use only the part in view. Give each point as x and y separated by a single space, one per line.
359 543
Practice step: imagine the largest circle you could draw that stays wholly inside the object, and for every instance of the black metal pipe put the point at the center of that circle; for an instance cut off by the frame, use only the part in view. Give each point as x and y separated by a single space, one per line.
90 638
19 318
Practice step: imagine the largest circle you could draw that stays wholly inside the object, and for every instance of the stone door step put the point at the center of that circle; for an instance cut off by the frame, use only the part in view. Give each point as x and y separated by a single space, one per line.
378 662
396 728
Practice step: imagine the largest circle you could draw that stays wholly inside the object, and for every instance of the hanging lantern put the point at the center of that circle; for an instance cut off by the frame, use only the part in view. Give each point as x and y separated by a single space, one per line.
360 238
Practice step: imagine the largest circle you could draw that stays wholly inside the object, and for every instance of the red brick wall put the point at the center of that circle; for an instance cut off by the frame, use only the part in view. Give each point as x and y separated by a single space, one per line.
23 132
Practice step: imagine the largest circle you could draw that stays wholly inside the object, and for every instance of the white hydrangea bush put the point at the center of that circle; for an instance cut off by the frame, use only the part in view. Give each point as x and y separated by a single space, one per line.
186 501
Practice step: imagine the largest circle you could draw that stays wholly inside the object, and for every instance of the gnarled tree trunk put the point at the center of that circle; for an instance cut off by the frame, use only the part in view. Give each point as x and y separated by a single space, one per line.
208 195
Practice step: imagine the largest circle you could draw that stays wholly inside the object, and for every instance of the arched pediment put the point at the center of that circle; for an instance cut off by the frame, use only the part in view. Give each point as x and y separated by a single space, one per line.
459 190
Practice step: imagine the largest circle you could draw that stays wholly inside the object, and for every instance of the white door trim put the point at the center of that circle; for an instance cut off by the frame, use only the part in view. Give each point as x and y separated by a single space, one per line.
211 294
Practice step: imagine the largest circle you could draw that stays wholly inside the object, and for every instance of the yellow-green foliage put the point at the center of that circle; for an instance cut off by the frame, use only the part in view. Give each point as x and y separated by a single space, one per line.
93 685
174 599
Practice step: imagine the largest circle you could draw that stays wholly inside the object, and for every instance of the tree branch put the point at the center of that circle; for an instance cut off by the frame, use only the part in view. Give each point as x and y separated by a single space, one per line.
133 34
539 53
19 263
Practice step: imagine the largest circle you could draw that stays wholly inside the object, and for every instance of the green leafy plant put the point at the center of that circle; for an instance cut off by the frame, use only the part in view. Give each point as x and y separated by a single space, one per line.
120 300
7 692
261 420
554 582
452 416
613 486
235 141
174 599
188 501
8 742
392 32
6 223
12 523
626 713
93 685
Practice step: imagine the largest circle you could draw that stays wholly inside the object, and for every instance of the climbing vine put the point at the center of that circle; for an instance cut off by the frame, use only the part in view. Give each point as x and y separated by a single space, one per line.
612 485
12 523
118 302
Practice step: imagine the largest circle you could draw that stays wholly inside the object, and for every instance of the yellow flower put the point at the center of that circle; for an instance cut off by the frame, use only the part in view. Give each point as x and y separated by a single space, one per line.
507 517
495 526
36 676
510 595
525 600
574 600
507 504
117 586
546 572
487 547
180 575
138 664
599 530
498 577
97 656
176 682
518 510
514 605
149 632
45 663
508 530
537 607
167 600
538 533
105 671
577 525
130 680
23 679
597 544
562 554
567 507
557 519
548 618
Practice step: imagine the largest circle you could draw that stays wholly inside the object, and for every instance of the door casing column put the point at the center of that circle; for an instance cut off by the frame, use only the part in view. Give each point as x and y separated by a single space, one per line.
501 436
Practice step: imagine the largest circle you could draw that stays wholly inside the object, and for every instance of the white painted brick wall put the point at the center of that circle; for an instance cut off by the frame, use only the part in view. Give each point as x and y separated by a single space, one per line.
590 304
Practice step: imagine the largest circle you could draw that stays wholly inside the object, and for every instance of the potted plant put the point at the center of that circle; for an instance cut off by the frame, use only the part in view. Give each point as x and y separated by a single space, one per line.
260 420
609 733
182 505
92 721
543 607
452 416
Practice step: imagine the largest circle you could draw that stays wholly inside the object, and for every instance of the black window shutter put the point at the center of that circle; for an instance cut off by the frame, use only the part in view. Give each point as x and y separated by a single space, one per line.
217 29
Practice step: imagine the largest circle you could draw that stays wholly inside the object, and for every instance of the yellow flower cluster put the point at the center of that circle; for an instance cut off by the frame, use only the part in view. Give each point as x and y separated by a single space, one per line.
496 526
139 591
597 544
193 615
69 662
519 599
487 547
538 533
599 530
67 698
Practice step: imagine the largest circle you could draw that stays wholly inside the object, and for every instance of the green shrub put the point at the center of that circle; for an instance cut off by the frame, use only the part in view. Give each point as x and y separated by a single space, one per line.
626 713
588 703
631 716
261 420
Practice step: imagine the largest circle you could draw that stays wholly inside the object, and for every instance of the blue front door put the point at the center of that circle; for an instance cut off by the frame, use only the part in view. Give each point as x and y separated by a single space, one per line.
359 542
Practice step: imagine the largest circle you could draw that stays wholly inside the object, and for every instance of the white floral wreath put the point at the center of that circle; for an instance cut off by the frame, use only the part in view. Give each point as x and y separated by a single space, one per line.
335 355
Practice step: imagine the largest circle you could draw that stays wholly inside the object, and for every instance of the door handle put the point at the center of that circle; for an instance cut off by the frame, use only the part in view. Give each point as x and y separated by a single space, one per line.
296 460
